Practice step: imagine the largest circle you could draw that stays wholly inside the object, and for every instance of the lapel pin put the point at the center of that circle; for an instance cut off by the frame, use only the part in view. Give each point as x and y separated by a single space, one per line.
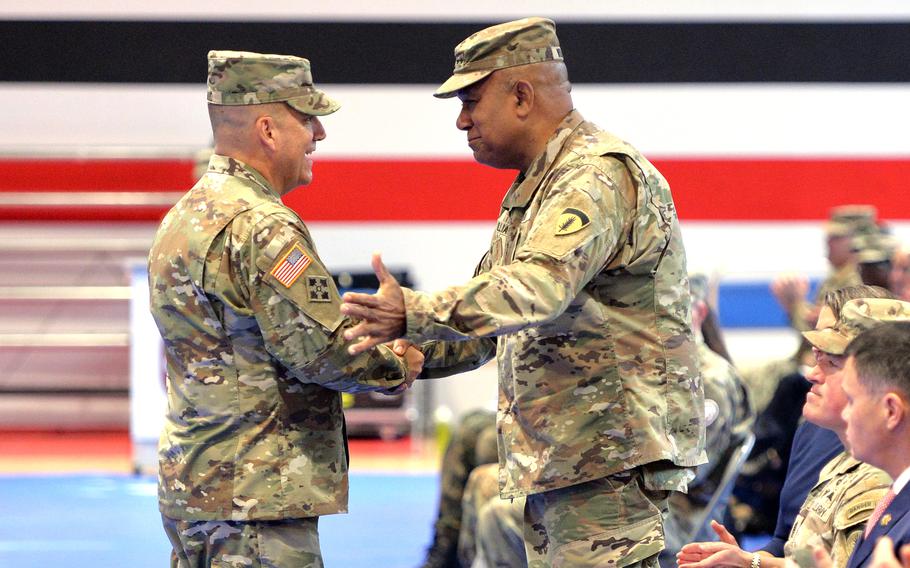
885 520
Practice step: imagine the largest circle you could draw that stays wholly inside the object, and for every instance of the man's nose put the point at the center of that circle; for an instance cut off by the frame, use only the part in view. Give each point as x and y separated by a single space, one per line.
463 122
318 129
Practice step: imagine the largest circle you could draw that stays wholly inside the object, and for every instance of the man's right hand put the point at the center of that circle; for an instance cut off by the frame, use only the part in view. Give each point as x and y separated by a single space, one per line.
413 357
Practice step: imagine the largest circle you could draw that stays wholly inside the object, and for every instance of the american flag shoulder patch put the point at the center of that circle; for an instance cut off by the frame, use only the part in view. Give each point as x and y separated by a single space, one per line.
290 266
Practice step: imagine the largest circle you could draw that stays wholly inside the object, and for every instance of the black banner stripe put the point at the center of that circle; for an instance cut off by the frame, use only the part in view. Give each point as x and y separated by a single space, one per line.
413 52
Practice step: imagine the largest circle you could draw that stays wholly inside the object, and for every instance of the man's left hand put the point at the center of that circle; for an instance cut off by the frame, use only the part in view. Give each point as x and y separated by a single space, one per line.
382 314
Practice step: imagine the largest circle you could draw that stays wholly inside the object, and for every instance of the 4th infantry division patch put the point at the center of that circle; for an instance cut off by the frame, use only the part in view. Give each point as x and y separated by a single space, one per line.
291 266
318 287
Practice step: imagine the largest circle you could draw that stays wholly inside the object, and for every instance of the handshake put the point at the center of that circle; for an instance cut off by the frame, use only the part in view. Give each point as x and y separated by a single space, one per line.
382 321
413 358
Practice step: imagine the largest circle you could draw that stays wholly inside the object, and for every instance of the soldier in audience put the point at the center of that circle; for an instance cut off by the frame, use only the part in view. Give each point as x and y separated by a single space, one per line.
774 386
837 507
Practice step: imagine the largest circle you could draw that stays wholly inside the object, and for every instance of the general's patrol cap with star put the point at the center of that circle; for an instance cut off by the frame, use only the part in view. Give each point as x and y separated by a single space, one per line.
247 78
520 42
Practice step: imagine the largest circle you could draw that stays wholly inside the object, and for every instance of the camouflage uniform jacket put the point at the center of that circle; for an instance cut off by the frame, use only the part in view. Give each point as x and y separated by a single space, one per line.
254 427
585 287
835 512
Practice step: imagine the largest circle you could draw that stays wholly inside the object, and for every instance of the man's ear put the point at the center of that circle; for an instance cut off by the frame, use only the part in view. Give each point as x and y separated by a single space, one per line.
524 98
267 131
896 407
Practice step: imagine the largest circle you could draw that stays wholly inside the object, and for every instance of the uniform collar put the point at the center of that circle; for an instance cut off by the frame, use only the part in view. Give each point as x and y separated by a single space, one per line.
841 464
227 165
526 183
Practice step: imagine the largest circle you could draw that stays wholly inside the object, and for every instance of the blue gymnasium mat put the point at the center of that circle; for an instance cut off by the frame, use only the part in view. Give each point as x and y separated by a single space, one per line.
111 521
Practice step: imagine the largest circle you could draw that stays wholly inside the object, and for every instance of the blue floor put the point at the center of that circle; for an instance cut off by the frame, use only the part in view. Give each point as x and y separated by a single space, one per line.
108 521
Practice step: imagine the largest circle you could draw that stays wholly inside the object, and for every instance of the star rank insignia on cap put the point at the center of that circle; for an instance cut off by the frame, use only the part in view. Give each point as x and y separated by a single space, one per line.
290 266
318 287
571 221
885 520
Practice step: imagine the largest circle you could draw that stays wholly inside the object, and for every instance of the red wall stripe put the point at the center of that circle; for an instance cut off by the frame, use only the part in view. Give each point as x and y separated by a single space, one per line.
461 190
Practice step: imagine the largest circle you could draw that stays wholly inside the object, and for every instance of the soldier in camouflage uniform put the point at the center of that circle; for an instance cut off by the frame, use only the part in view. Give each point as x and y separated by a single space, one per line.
836 509
253 450
584 289
473 444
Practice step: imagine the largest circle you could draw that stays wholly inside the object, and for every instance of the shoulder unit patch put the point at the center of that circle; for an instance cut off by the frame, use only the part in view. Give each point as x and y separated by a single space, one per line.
571 221
318 288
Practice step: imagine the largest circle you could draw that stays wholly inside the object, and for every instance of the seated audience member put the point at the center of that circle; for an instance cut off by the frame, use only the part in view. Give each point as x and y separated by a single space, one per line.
837 508
813 446
791 292
473 443
783 380
877 388
760 487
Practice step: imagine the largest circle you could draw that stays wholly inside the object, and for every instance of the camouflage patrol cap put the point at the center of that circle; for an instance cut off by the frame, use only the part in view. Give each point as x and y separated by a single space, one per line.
856 317
521 42
846 220
246 78
873 247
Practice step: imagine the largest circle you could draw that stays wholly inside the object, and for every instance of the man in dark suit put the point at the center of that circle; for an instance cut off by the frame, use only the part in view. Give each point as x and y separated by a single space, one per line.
877 386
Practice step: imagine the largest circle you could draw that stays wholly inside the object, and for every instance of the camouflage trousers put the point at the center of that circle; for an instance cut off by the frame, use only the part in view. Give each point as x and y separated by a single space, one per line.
611 522
291 543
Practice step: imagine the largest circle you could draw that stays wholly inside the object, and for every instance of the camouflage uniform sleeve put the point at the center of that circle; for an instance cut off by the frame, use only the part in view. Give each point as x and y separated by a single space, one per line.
552 264
298 311
447 358
854 510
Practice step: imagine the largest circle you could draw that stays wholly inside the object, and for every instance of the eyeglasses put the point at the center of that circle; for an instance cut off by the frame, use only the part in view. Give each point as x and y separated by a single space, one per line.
828 360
